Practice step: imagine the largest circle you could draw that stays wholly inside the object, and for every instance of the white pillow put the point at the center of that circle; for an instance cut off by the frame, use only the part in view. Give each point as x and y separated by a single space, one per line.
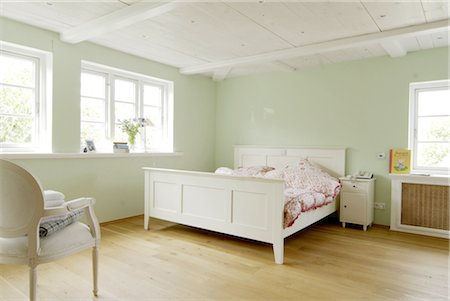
53 198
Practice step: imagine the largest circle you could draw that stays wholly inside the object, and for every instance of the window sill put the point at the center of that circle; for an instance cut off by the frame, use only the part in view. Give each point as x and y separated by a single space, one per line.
86 155
422 179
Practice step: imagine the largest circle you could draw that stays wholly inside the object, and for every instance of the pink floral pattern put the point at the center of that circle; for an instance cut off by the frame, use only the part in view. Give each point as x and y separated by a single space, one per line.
252 171
307 187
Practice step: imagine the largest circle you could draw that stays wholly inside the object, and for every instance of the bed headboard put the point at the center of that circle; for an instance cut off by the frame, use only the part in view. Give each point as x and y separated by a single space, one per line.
330 159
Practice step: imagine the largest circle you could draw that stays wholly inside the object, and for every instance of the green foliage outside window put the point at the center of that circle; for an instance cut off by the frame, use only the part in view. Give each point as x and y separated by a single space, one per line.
16 106
435 154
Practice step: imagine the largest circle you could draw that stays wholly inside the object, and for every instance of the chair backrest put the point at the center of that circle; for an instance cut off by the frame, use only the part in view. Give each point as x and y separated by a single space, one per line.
21 201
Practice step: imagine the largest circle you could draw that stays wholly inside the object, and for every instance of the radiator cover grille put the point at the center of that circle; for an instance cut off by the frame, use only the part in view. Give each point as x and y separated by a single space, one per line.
425 205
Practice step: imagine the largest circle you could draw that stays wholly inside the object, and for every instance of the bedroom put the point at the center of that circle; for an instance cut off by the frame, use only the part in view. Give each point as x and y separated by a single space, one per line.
363 105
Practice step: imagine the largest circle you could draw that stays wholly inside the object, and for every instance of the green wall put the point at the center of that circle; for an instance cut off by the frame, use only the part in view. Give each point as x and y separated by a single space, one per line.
362 105
116 183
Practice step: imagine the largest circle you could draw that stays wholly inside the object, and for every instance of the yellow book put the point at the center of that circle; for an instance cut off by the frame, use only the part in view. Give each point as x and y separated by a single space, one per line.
400 161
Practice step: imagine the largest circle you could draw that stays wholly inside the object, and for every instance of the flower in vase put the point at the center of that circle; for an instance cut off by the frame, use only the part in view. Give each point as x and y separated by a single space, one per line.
131 128
144 121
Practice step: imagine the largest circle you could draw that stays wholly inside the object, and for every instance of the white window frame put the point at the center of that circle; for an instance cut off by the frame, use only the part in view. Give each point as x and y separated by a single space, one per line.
414 89
43 89
106 76
113 100
140 80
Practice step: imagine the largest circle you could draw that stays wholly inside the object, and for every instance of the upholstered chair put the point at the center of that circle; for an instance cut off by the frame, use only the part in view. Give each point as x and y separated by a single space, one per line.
21 211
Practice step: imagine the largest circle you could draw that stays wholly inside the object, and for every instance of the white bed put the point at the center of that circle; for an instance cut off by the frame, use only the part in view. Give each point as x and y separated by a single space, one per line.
246 207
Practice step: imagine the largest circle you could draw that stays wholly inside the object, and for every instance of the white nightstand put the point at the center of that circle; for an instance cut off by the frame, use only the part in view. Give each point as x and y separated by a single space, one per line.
357 198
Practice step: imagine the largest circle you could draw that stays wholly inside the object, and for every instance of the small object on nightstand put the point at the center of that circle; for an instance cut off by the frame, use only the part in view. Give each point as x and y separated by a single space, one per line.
357 198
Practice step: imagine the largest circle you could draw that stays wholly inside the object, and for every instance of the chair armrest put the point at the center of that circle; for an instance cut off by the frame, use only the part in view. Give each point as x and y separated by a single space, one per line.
79 203
69 206
88 204
55 211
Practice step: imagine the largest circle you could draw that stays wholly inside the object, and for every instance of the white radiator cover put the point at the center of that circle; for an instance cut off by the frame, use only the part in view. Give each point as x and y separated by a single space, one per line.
420 219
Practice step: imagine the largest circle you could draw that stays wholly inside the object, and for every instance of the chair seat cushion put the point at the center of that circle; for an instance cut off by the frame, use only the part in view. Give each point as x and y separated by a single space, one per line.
66 241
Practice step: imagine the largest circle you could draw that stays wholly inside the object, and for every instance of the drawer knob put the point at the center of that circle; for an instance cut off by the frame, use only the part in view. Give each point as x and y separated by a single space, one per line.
345 206
354 186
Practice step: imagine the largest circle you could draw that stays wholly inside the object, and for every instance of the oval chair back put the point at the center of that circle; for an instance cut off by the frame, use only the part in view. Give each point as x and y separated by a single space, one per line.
21 201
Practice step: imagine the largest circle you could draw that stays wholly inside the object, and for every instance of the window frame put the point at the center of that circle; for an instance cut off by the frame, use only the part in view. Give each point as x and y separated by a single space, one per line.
113 100
140 80
106 109
414 89
43 60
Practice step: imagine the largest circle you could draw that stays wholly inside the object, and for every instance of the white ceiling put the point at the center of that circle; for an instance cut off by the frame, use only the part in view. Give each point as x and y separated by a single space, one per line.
230 38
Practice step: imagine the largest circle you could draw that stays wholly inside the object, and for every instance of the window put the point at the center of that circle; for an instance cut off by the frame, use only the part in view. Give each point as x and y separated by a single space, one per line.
93 106
109 96
429 126
25 100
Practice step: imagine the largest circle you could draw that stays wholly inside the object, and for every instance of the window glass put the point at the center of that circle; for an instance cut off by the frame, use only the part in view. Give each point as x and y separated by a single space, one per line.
434 102
154 137
24 116
433 128
125 90
93 131
119 134
430 126
92 109
152 95
16 130
17 70
93 85
17 100
154 114
433 155
131 97
124 111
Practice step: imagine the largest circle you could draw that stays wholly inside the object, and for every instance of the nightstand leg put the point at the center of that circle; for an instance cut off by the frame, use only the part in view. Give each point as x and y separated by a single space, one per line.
365 228
343 224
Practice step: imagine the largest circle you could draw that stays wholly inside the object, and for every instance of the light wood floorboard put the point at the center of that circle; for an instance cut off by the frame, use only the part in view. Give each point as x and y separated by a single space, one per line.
172 262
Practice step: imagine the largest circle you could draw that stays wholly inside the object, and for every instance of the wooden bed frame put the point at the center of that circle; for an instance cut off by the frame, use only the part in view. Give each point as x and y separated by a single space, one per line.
246 207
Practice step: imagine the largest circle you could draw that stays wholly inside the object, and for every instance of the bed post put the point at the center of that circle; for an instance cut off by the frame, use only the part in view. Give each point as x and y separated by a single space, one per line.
277 223
278 250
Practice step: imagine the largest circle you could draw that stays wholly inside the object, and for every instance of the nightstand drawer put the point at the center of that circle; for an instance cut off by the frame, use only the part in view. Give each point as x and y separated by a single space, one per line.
353 186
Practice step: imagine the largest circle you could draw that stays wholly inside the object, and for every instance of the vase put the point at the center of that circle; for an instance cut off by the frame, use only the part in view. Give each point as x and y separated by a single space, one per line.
132 142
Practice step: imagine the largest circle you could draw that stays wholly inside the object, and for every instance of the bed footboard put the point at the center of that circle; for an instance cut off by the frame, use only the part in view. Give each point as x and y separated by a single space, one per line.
246 207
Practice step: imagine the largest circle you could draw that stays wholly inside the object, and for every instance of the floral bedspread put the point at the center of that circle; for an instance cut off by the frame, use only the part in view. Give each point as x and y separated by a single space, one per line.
307 187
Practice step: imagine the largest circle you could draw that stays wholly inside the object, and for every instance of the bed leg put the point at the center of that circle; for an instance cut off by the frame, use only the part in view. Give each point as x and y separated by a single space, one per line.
278 251
146 221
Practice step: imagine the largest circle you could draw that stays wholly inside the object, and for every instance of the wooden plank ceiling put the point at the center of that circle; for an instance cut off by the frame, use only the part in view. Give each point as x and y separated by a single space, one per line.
232 38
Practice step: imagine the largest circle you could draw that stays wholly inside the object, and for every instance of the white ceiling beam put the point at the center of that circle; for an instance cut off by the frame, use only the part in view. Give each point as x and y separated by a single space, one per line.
425 41
282 66
221 74
118 19
344 43
393 48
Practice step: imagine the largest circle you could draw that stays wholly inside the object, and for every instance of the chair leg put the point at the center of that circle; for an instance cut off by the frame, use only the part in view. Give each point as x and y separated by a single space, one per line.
33 281
95 269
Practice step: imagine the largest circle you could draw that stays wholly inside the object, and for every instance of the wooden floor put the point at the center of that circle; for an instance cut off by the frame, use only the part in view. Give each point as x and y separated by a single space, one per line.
172 262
